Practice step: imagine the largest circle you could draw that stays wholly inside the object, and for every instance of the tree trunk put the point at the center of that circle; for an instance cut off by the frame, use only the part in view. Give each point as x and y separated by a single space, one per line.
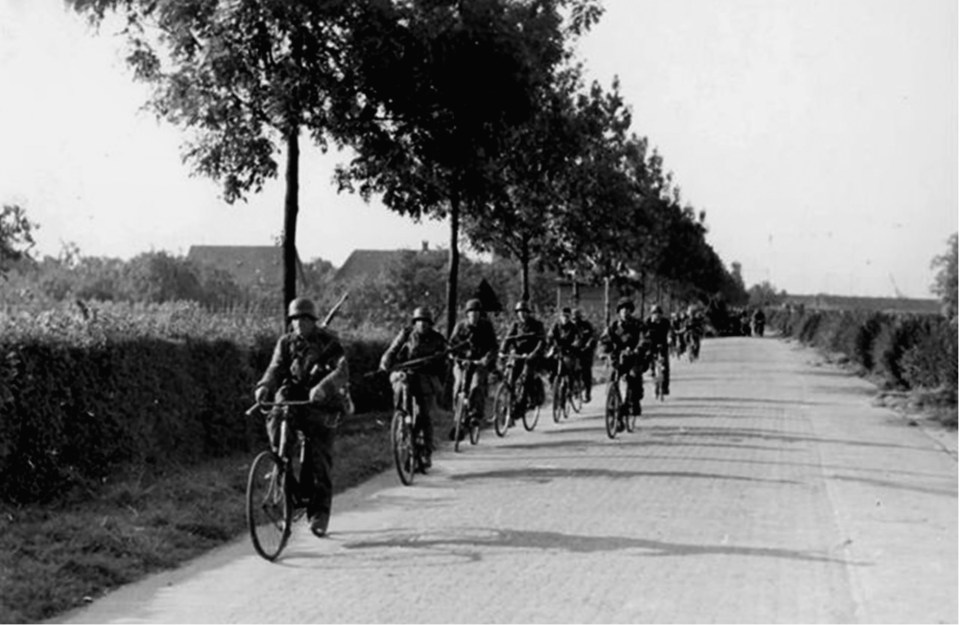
643 291
525 271
606 301
454 264
290 209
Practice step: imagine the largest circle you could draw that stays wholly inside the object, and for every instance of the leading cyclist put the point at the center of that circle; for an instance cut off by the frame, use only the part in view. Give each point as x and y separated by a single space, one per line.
309 363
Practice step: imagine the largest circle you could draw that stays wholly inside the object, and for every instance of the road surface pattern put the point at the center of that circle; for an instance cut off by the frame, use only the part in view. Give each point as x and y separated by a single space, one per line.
765 489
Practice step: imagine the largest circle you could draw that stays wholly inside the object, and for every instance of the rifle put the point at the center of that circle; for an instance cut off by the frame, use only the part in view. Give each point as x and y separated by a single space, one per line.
333 311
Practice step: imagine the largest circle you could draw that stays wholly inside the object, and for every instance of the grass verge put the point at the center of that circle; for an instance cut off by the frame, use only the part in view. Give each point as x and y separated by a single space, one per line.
57 557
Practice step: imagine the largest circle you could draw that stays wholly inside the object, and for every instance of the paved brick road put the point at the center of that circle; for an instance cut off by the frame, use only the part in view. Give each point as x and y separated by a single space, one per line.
766 489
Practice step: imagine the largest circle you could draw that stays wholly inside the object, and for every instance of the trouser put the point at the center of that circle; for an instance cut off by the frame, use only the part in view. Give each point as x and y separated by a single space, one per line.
571 364
586 369
423 393
533 380
316 479
476 387
663 356
631 374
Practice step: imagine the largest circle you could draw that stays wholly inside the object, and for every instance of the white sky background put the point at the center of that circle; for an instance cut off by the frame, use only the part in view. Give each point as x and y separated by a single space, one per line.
819 136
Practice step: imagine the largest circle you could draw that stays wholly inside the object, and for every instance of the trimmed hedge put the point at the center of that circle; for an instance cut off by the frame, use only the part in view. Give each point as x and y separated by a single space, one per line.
907 351
85 396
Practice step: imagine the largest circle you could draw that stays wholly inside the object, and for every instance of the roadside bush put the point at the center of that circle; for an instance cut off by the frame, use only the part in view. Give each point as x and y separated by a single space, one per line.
86 392
905 351
809 326
864 339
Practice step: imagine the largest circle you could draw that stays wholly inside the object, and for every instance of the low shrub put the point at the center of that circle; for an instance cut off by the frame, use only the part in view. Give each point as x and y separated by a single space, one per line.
906 351
84 393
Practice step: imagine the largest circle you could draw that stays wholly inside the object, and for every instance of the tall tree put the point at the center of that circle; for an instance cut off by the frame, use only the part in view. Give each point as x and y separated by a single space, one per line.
245 79
444 81
516 222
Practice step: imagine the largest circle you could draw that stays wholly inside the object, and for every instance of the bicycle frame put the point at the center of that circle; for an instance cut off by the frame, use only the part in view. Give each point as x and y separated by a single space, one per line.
272 488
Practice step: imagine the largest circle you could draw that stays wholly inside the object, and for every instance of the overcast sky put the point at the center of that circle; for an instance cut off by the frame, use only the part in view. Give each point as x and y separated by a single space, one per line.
819 136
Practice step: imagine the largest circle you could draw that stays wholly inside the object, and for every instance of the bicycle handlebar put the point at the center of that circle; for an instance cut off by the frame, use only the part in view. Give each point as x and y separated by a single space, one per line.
262 406
466 361
515 356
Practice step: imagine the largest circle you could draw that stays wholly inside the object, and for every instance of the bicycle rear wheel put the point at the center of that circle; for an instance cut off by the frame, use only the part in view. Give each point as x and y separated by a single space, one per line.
269 509
401 439
612 411
502 410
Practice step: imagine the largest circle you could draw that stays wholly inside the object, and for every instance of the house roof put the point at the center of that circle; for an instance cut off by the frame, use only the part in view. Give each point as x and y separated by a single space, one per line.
374 263
248 264
367 263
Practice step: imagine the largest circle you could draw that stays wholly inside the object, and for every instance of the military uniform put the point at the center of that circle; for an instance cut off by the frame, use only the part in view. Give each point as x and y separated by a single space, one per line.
526 338
424 380
475 341
299 364
656 341
588 344
564 342
619 337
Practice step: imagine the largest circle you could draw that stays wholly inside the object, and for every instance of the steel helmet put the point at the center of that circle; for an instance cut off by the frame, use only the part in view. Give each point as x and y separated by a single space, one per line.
624 302
522 307
302 307
473 304
421 313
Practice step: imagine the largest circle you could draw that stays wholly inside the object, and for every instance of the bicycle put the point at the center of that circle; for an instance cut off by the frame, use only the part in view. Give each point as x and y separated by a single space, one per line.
465 408
567 389
410 448
507 405
614 412
274 499
693 342
657 372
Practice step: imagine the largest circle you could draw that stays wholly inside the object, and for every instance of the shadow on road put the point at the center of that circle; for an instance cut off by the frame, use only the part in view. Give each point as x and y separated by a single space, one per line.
485 539
544 475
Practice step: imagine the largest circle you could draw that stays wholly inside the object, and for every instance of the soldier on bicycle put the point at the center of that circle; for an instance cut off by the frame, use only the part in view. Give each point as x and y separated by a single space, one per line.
309 363
656 342
621 341
564 342
587 337
418 340
526 337
475 339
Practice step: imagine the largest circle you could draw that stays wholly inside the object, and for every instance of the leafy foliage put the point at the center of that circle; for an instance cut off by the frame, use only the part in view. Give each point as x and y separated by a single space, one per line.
945 285
16 236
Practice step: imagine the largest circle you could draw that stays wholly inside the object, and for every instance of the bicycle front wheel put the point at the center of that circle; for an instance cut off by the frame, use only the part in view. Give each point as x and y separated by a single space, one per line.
612 411
401 439
531 414
269 509
459 415
575 395
558 398
502 409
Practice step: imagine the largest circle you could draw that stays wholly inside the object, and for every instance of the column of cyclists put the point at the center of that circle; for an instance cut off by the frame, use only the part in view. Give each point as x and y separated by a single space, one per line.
416 361
305 391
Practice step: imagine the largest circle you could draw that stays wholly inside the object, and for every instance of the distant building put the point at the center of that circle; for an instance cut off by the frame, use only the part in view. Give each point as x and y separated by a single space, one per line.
248 264
373 264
